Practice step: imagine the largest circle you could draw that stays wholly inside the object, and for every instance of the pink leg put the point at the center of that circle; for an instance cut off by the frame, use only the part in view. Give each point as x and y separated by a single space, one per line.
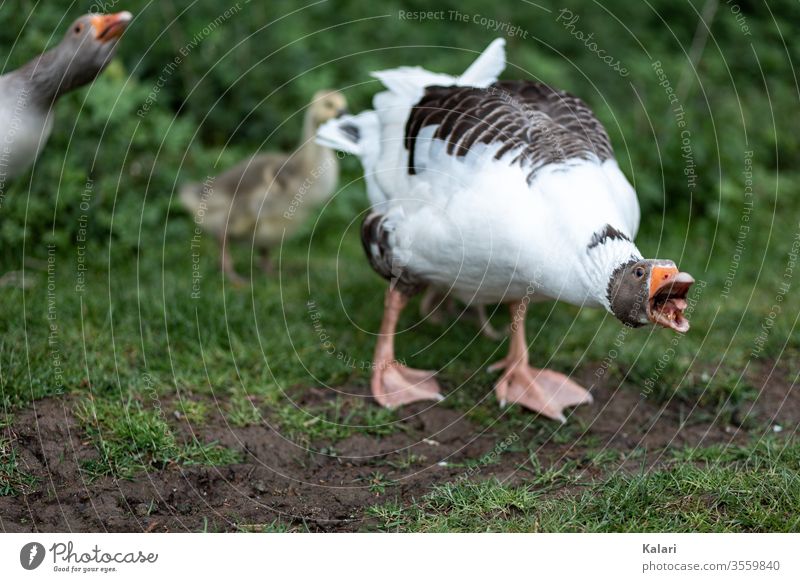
393 384
429 306
265 261
226 263
542 391
487 329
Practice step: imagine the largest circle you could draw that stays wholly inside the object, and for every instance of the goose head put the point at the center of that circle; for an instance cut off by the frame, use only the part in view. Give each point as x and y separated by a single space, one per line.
326 105
85 50
644 291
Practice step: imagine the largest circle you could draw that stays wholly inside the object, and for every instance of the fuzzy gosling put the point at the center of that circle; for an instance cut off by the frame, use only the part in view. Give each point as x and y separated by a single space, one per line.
267 194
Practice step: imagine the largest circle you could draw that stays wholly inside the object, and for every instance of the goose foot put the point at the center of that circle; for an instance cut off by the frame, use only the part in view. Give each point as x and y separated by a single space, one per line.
237 280
396 385
543 391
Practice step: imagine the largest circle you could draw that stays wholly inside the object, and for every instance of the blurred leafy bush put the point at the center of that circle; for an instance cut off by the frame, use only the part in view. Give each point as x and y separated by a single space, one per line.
246 70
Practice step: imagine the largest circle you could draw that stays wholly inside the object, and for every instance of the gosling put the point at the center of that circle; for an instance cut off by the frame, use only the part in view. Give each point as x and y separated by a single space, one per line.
267 195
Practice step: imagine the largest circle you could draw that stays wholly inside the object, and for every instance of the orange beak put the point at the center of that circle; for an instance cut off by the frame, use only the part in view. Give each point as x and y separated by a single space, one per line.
668 290
659 276
110 26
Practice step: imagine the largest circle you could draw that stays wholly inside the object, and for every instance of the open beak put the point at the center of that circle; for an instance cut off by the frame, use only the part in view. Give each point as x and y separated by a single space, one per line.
110 26
667 302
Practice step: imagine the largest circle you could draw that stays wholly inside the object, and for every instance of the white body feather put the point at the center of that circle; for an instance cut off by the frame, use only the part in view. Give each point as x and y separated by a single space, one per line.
472 224
24 128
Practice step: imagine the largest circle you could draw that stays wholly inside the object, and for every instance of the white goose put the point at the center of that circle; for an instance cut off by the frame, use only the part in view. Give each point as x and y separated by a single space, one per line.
498 192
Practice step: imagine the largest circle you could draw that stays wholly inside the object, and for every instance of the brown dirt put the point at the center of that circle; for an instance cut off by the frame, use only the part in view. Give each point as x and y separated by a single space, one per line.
282 482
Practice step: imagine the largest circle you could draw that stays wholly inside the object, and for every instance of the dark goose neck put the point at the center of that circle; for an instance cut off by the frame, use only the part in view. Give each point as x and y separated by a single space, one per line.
49 76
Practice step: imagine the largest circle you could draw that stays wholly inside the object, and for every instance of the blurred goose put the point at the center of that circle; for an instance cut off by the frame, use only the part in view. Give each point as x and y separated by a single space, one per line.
498 192
28 94
266 195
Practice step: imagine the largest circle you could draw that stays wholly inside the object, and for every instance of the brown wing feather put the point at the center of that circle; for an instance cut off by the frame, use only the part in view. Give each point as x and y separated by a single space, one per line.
546 125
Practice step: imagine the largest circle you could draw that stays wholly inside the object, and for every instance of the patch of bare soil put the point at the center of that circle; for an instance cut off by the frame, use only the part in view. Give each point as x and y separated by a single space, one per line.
282 482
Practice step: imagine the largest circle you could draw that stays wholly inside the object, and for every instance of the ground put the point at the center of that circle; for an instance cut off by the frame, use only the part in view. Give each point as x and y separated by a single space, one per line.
156 398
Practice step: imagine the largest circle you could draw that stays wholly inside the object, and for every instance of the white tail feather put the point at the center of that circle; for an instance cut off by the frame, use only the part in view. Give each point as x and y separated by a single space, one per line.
354 134
331 135
487 67
374 136
409 82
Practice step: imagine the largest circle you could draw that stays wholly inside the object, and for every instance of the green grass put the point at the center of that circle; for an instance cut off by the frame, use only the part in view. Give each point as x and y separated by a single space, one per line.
142 358
13 479
275 526
242 411
755 488
334 422
136 327
138 331
130 438
140 355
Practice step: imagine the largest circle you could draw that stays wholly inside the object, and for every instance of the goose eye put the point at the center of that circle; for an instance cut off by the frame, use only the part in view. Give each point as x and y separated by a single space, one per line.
639 272
78 28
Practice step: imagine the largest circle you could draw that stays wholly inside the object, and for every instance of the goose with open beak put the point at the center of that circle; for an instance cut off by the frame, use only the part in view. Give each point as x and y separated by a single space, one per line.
498 192
28 94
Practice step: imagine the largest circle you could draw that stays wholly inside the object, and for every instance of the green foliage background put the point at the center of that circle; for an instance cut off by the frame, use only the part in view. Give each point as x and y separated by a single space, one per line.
243 86
134 353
